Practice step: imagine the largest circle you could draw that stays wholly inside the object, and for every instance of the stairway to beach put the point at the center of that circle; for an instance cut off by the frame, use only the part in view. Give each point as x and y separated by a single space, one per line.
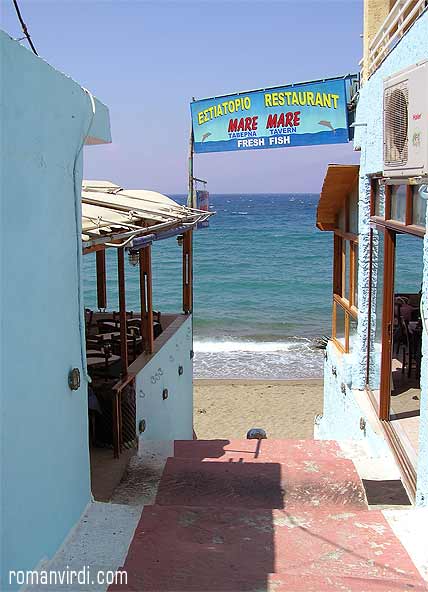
264 515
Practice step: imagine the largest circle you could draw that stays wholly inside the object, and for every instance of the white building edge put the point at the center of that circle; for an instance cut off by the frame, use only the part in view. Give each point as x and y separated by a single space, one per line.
375 373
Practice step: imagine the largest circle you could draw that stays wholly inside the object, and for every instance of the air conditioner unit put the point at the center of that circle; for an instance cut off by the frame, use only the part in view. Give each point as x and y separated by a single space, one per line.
405 122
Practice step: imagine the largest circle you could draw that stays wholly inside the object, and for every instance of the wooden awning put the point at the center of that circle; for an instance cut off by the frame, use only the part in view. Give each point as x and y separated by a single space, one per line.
338 183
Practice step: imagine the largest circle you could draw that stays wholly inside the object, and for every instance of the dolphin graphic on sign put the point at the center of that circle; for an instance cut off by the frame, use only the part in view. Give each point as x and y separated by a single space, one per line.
327 124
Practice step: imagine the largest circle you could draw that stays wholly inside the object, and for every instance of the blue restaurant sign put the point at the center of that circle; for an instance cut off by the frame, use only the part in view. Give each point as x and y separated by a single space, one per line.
304 114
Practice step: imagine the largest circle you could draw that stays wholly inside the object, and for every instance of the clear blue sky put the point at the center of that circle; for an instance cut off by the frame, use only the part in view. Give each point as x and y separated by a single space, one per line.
146 60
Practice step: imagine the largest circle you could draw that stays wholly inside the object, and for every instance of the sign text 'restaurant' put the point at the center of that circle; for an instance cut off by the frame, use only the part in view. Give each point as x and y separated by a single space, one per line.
298 115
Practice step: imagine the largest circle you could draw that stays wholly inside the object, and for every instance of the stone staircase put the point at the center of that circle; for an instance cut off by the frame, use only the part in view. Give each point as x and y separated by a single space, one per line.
264 515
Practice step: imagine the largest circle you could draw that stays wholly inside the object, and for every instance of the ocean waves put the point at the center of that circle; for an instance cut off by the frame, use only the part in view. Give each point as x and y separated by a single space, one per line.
257 359
206 346
262 287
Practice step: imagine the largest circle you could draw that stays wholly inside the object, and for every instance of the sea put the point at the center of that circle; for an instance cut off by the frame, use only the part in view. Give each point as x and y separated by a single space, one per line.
262 286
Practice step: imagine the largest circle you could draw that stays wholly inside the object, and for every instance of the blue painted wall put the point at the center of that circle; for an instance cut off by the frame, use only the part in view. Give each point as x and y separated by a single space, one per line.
344 407
412 48
342 414
422 483
45 485
170 419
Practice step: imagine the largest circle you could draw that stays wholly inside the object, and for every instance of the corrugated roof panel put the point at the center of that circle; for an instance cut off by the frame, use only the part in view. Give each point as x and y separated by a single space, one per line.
108 209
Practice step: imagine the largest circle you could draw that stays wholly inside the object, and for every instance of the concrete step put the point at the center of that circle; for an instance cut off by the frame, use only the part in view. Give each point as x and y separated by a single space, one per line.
278 583
324 483
256 450
285 583
190 549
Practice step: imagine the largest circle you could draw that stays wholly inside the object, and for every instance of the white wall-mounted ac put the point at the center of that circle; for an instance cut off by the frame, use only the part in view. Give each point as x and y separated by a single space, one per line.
405 122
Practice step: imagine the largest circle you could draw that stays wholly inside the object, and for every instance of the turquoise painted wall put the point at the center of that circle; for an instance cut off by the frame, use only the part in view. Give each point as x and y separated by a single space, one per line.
411 49
45 484
341 414
170 419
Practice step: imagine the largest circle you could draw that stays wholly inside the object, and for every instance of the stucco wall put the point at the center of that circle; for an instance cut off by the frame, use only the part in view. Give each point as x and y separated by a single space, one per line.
45 483
172 418
347 415
342 413
339 403
422 483
412 48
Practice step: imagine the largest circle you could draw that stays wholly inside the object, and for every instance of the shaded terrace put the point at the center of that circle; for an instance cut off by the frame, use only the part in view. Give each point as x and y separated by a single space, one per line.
119 343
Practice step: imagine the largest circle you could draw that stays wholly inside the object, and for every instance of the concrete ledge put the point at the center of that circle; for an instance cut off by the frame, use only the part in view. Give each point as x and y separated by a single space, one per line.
99 543
410 527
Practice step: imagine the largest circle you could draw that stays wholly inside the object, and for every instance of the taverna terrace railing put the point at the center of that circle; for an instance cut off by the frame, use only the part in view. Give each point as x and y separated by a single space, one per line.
399 20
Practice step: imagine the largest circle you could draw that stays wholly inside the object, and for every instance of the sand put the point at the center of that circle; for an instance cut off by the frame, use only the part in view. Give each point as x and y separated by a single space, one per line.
229 408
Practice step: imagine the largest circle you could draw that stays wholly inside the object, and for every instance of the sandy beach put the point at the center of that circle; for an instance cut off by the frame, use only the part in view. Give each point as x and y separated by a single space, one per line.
284 408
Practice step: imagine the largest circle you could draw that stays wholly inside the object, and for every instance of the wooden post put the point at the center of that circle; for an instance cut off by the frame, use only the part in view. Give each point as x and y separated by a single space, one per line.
143 298
187 272
352 270
387 323
101 279
146 298
388 202
374 190
122 310
190 193
337 265
344 269
150 333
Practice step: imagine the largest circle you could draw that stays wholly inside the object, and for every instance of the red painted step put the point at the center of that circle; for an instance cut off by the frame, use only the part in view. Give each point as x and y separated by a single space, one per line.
257 450
339 584
285 583
322 483
188 549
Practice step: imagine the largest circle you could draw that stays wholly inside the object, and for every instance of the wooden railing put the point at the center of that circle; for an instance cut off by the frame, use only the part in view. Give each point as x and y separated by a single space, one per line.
129 435
397 23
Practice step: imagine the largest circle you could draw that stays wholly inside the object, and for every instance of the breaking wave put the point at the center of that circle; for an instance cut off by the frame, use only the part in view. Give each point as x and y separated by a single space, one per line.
273 360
